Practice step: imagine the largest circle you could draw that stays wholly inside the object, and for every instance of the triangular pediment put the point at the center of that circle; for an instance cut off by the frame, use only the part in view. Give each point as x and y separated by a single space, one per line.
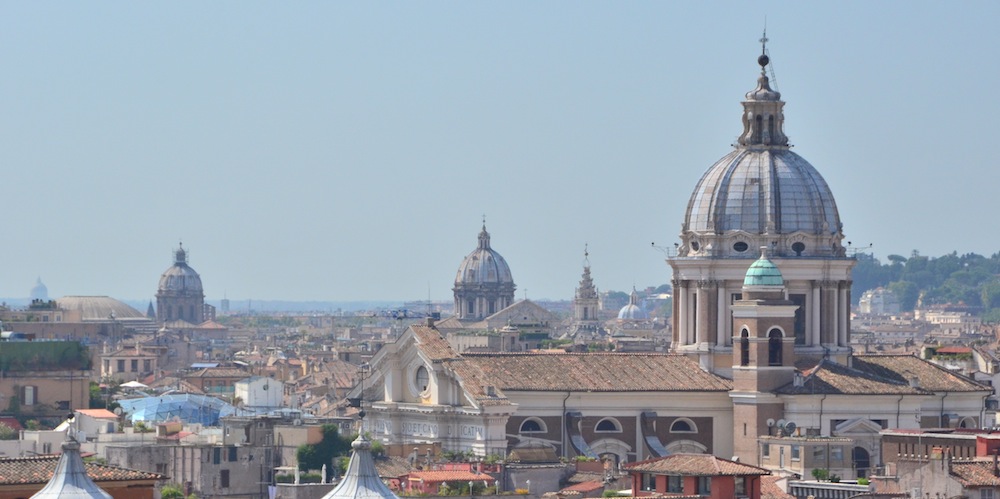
857 426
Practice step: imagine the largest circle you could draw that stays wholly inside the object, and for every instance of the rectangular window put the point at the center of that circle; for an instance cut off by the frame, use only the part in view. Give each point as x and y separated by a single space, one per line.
765 450
30 395
232 454
819 452
224 479
836 454
675 484
121 365
986 493
147 366
704 485
796 453
135 365
648 482
216 455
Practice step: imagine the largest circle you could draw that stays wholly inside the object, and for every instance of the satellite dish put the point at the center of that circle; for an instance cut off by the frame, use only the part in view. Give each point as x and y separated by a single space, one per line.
790 427
118 411
770 422
781 423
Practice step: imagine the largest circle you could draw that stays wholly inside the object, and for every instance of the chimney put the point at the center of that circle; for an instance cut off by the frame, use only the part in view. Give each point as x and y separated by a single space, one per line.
996 468
914 382
430 322
797 379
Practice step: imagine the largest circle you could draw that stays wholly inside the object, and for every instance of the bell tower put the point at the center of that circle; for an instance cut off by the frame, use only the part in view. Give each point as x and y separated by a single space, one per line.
763 354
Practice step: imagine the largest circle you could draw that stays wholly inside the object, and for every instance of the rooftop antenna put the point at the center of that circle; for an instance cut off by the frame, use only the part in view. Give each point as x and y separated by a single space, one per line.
764 53
586 255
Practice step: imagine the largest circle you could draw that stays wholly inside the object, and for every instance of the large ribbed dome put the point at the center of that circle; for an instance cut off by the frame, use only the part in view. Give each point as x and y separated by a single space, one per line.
483 265
762 194
180 276
762 191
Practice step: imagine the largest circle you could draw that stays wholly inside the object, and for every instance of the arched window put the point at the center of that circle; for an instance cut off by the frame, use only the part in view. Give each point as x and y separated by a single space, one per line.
608 425
774 347
759 121
744 347
683 425
533 425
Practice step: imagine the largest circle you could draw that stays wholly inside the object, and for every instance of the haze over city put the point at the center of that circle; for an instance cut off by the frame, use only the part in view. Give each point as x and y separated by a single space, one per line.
335 151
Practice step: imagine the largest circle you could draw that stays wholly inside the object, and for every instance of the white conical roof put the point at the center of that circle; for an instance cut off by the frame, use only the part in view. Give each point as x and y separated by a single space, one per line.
361 478
70 480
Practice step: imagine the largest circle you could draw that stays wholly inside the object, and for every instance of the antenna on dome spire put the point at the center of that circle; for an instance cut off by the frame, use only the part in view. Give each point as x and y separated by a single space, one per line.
763 39
586 255
765 57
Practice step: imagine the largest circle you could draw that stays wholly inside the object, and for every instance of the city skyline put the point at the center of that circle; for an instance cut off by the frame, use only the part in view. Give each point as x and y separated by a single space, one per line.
348 152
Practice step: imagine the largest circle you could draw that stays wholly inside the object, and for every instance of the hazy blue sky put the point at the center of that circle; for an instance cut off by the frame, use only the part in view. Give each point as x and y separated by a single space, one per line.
340 151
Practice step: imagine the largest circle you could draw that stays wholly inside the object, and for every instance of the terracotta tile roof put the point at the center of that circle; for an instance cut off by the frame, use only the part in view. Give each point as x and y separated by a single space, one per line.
26 470
449 476
476 383
597 372
97 413
835 379
931 376
393 467
585 476
432 344
584 487
769 488
695 465
974 473
219 372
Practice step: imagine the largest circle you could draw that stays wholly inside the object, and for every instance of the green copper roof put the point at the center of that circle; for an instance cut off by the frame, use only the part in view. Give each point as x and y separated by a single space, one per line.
763 273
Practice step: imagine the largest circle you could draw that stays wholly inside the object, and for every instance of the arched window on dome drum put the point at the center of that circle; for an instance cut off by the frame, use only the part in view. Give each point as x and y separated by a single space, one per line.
774 347
770 128
532 425
472 307
744 347
759 120
608 425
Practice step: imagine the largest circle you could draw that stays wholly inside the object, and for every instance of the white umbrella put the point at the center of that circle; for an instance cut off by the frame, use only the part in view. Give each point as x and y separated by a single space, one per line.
133 384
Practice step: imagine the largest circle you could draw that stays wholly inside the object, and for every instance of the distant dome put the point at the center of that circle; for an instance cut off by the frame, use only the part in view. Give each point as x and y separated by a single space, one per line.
99 308
484 265
632 311
39 291
763 273
180 276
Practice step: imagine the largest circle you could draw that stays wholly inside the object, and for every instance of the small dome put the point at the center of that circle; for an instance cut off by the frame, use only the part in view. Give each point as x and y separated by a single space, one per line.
763 273
180 276
39 291
632 311
483 265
